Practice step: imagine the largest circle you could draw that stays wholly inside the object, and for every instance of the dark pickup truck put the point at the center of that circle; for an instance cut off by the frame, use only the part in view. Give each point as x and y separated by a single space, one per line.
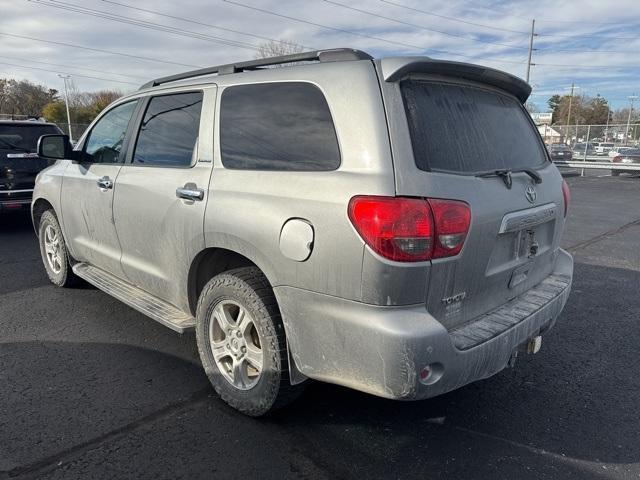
19 162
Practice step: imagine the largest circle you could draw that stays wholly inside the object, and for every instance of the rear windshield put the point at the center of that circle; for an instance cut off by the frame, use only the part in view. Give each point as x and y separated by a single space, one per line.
23 137
465 129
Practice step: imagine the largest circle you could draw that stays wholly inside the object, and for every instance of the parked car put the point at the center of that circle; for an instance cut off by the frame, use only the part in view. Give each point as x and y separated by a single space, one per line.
333 219
628 157
560 151
19 162
603 148
614 152
579 150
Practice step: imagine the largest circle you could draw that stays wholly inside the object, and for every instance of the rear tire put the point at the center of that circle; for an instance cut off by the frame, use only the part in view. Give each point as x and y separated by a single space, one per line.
241 341
53 250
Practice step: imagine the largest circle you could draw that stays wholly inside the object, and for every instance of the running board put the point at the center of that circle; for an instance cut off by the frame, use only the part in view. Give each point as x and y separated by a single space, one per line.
144 302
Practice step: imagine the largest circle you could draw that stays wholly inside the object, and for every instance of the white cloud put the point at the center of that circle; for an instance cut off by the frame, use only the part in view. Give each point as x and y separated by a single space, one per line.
597 33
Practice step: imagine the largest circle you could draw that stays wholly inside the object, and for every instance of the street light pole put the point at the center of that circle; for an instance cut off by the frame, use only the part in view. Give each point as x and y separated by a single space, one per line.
569 113
632 98
66 103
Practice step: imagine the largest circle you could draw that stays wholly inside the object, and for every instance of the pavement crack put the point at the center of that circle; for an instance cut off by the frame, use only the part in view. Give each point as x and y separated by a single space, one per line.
53 461
602 236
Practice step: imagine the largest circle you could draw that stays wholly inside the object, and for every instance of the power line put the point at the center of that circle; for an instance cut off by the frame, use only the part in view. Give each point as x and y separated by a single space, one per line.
110 52
144 24
465 37
453 19
195 22
564 35
551 20
582 22
585 66
71 66
67 73
364 35
554 50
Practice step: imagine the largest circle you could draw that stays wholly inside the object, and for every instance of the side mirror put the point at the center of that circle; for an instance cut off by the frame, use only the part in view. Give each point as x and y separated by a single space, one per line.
55 147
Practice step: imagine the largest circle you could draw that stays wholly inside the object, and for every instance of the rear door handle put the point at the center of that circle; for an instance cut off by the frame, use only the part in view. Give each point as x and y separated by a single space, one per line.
105 183
190 192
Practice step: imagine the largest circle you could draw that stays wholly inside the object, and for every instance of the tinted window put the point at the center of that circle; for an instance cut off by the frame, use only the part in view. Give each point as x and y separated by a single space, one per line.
105 139
169 130
464 129
277 126
23 137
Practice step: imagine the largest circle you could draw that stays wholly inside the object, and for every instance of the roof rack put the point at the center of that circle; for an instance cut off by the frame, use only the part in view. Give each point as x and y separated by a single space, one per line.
332 55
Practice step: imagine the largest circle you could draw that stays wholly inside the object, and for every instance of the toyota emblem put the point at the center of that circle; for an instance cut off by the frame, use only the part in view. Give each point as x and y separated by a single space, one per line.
531 194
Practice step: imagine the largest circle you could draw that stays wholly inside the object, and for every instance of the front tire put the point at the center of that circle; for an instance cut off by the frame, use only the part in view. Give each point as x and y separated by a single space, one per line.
55 255
241 341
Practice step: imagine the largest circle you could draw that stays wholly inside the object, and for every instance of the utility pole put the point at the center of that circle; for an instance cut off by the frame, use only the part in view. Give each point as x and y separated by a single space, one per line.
533 34
66 103
632 98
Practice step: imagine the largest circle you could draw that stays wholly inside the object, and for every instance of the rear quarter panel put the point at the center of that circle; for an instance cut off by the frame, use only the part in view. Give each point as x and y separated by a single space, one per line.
247 209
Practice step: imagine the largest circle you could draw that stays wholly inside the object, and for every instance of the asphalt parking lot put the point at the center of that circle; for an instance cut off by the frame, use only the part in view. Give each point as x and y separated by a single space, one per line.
89 388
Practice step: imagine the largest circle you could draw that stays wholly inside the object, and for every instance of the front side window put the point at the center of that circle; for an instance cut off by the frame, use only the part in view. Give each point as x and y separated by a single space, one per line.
169 130
277 126
104 144
466 129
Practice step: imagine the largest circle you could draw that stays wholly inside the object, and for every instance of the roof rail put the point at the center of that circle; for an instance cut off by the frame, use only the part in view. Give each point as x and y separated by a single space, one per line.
332 55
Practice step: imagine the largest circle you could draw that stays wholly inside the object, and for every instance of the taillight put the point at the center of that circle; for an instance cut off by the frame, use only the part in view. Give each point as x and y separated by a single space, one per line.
410 229
452 219
566 194
617 159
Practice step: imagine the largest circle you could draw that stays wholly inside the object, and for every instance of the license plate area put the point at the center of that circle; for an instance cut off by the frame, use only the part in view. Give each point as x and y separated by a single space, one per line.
524 237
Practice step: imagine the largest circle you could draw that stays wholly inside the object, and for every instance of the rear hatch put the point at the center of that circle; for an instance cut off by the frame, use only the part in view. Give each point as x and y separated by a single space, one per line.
19 163
450 134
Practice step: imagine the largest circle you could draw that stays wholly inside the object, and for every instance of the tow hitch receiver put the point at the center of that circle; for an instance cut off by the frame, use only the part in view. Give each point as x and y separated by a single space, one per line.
534 344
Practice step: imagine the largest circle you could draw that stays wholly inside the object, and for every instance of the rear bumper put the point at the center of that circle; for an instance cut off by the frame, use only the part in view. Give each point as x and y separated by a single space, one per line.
15 199
381 350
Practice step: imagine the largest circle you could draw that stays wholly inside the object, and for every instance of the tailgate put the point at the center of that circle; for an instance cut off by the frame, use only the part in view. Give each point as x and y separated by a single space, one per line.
448 129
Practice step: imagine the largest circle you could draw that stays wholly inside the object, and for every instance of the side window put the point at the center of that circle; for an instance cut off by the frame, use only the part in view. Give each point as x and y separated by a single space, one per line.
169 130
277 126
105 139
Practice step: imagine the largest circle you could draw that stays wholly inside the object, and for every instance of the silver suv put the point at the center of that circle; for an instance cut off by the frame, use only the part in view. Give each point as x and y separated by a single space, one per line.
390 225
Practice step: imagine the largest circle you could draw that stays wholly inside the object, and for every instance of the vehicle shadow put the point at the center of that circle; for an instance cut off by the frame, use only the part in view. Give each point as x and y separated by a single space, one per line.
15 222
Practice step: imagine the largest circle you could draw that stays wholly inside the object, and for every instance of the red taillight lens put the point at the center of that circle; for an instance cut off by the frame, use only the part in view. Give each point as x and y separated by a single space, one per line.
399 229
566 194
410 229
617 159
452 219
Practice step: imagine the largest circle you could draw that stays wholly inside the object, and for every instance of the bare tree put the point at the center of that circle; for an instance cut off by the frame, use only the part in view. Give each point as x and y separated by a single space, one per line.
277 48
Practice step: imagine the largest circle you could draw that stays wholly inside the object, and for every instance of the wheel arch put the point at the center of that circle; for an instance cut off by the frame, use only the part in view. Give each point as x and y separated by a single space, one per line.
210 262
213 261
40 206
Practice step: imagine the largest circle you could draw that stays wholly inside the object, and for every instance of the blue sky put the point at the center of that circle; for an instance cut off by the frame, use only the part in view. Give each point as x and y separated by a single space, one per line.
593 43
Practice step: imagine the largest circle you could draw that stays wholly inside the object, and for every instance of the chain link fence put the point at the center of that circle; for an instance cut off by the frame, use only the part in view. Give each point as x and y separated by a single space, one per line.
617 134
77 129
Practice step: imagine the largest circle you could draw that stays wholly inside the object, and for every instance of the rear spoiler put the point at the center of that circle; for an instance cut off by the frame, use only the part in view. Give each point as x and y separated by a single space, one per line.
396 68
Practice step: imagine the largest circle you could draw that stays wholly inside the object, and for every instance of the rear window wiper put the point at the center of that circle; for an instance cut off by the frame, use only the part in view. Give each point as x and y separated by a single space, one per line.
14 147
505 175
